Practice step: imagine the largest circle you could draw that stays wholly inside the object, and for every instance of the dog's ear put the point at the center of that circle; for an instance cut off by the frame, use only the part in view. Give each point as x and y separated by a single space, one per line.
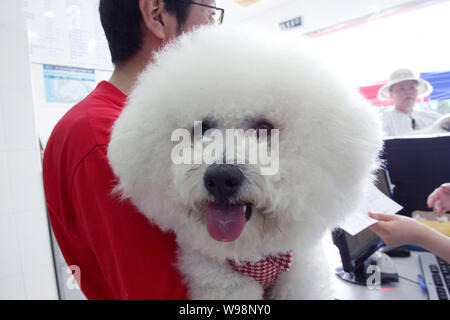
156 19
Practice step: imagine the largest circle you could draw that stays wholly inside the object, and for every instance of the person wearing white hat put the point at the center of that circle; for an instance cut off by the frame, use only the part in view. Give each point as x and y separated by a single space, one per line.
404 88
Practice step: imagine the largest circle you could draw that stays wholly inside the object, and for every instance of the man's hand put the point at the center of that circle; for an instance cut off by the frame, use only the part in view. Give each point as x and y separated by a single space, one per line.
439 199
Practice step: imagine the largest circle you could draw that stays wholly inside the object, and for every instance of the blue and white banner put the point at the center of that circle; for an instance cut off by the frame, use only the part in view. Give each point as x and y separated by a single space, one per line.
67 84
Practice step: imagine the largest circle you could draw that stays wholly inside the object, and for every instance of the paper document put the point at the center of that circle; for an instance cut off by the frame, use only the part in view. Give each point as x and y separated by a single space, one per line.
374 201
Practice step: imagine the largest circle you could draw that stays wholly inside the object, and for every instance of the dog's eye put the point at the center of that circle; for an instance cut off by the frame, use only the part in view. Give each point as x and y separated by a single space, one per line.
206 125
263 125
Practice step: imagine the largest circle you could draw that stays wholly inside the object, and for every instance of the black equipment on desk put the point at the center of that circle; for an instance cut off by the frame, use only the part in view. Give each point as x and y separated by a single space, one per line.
416 166
356 250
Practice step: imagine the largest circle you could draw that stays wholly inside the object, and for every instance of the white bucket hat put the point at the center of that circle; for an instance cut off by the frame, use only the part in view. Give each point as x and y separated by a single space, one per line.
424 88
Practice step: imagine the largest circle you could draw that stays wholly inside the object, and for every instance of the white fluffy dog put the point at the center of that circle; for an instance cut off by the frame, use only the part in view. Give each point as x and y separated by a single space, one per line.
229 217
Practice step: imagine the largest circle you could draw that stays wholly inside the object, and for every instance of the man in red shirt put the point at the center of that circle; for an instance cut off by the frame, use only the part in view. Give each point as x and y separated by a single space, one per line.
119 253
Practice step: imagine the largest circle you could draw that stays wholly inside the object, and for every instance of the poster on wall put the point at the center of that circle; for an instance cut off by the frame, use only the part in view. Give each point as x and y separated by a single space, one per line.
66 32
67 84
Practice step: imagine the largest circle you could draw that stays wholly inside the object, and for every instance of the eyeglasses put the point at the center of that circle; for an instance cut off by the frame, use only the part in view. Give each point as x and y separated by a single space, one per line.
218 13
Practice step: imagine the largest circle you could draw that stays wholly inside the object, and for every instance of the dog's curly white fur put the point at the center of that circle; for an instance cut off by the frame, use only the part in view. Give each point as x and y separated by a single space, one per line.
329 139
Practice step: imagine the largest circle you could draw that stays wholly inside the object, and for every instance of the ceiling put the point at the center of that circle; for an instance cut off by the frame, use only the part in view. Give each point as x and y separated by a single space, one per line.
315 14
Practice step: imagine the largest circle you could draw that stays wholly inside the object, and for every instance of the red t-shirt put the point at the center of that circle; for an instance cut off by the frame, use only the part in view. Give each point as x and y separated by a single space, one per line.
121 255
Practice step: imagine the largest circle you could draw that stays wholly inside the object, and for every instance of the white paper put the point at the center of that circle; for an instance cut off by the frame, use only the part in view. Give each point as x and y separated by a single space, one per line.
66 33
374 201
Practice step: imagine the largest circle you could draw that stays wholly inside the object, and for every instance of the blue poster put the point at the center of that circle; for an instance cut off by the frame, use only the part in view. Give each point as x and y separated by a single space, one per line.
67 84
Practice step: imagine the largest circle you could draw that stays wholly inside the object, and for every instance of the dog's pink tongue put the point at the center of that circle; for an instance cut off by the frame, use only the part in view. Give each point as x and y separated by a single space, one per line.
225 222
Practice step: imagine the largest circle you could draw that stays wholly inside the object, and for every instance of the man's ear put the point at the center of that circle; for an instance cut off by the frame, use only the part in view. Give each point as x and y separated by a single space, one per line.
153 16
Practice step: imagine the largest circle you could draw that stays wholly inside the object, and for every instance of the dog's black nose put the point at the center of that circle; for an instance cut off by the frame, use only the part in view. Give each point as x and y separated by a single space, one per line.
223 181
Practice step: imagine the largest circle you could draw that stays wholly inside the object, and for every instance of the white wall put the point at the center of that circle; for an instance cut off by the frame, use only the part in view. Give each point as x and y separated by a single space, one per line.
63 34
47 114
316 14
51 26
411 39
26 266
372 41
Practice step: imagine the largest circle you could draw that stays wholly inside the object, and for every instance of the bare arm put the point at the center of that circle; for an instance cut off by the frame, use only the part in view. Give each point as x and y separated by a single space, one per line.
398 230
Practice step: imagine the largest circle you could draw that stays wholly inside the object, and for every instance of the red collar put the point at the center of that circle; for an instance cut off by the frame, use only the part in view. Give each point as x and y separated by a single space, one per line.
266 270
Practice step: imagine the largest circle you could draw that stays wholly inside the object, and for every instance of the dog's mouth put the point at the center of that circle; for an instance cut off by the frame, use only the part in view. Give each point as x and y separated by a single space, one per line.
226 222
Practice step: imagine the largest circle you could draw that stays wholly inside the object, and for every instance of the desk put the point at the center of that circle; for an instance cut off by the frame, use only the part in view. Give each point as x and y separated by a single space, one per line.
407 268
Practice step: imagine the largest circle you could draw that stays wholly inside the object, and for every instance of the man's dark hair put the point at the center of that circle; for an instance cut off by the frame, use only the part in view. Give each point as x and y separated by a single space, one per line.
121 21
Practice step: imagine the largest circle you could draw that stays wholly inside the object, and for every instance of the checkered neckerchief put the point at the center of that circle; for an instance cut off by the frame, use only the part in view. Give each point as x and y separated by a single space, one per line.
266 270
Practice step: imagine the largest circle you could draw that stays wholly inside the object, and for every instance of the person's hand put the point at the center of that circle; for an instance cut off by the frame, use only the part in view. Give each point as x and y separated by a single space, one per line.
439 199
396 230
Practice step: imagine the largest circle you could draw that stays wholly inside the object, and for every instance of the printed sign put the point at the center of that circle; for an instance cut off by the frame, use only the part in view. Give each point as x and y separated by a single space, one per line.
67 84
